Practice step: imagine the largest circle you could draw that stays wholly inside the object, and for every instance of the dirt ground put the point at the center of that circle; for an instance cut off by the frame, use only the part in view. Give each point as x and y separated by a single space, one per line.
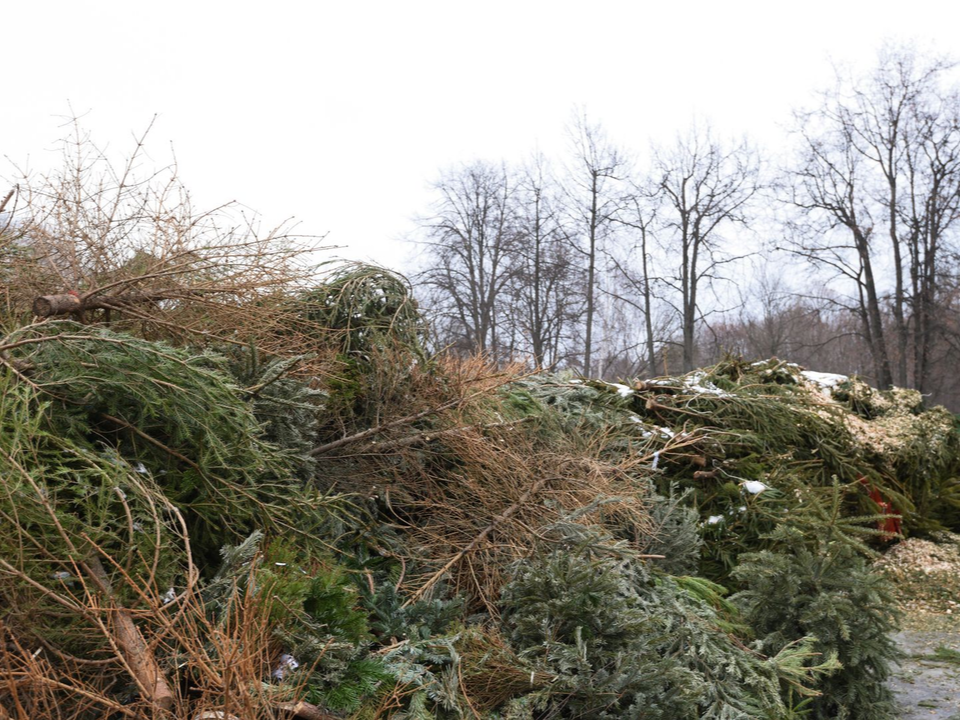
927 684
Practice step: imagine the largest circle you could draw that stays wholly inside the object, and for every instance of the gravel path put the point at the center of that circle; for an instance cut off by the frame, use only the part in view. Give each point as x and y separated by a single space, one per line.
928 688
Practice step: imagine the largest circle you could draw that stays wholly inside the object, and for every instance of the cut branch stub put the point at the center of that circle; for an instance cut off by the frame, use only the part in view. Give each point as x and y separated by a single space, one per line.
50 305
699 461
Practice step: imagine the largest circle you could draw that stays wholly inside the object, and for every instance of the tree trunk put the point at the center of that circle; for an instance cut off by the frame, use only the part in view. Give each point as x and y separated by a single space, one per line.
900 325
648 306
884 377
591 274
137 654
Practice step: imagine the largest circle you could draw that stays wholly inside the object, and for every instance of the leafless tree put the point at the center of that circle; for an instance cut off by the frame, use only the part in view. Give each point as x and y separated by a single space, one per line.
771 317
593 198
638 214
928 215
704 190
472 243
879 161
547 304
892 119
836 230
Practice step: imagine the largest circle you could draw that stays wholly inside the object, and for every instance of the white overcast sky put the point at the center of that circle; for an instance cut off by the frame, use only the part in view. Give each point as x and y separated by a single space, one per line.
341 113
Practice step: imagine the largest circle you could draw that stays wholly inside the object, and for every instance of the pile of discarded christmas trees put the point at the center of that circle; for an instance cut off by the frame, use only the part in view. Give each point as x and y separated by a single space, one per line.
229 490
192 525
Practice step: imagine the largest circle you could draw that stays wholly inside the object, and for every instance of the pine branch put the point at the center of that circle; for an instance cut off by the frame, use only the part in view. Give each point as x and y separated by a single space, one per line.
428 435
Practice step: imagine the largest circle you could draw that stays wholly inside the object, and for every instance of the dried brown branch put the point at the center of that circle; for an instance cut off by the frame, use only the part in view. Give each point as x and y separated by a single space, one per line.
112 243
497 520
406 420
428 435
6 199
370 432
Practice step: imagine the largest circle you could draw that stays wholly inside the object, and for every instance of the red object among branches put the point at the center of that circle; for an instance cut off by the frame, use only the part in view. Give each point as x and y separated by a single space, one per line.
891 524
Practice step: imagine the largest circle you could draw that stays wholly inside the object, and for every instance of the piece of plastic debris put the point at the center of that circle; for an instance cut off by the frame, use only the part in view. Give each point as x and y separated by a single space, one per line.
714 519
287 662
656 460
169 596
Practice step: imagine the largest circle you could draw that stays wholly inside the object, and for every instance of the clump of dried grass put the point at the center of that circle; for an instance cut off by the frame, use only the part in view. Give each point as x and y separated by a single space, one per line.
493 673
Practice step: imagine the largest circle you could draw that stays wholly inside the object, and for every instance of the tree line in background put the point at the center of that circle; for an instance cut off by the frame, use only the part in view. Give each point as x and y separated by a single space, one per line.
843 256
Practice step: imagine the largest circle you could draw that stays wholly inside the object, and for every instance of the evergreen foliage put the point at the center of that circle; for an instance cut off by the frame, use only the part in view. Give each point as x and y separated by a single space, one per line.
714 432
814 582
675 534
316 616
367 317
622 643
63 502
175 413
286 407
365 307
